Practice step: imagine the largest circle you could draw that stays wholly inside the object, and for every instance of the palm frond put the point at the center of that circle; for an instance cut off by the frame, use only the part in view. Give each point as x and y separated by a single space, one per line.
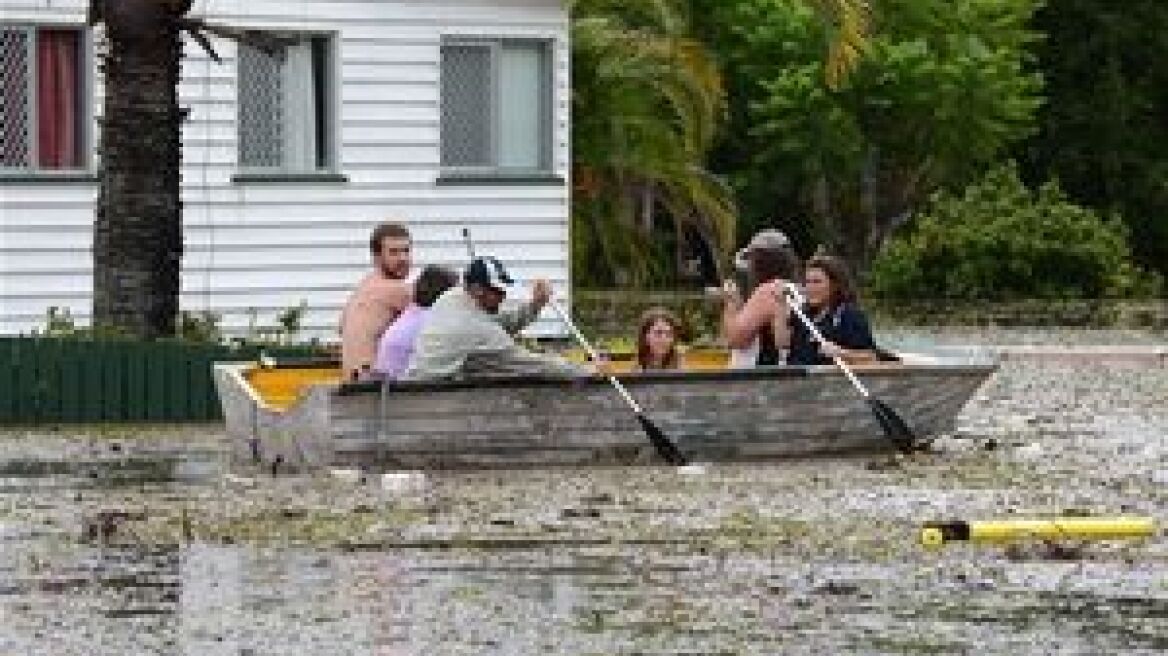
648 101
848 22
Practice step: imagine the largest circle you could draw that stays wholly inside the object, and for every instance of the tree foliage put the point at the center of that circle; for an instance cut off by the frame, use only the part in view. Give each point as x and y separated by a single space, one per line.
941 92
1104 128
647 102
999 240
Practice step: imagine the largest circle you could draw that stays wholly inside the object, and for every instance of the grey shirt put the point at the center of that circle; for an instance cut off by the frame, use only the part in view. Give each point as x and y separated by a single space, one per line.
459 339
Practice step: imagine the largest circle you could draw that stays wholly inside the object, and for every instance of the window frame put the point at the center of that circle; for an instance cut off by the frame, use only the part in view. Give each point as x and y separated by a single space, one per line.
544 172
86 171
284 173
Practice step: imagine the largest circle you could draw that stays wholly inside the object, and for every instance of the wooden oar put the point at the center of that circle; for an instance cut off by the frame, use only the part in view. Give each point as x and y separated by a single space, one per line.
469 244
661 442
895 429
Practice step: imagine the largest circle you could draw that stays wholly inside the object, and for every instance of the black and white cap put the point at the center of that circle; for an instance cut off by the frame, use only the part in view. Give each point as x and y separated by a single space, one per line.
488 271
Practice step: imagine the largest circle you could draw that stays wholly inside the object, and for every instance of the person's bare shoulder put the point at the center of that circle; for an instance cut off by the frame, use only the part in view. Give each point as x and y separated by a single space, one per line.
396 292
383 284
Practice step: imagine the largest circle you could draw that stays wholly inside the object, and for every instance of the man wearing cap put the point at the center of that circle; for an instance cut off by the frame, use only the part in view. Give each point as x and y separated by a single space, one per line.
762 320
466 335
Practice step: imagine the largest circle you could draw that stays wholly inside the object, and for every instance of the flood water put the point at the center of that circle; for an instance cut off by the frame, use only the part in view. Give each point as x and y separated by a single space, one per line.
139 541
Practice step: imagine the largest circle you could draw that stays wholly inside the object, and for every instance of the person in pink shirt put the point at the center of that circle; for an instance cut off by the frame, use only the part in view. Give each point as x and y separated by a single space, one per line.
376 301
762 320
397 343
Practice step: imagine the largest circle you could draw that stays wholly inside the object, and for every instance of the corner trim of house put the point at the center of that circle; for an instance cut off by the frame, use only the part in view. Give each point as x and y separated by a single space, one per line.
288 178
47 178
499 180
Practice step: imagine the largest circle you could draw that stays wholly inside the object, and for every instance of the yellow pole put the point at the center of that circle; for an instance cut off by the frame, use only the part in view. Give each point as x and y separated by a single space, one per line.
935 534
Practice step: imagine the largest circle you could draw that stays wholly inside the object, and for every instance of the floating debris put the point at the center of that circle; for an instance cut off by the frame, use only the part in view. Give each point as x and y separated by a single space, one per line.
403 482
806 556
350 476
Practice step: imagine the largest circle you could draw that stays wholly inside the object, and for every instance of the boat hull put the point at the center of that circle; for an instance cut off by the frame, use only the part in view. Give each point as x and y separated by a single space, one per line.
714 416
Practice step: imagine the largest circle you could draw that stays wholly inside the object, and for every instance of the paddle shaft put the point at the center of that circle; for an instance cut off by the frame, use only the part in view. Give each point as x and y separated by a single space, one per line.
470 250
797 308
665 447
594 355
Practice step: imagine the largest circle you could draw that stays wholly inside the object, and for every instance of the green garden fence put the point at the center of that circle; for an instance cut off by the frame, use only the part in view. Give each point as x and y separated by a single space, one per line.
70 380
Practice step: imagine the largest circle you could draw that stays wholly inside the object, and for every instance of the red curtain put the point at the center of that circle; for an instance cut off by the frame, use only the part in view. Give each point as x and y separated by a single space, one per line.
58 101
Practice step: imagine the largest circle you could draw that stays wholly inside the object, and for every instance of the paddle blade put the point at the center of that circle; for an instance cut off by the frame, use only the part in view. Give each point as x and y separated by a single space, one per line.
665 447
895 429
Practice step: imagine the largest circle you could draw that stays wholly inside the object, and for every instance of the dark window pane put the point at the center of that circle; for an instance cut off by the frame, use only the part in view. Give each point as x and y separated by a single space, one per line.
321 87
261 107
14 119
466 105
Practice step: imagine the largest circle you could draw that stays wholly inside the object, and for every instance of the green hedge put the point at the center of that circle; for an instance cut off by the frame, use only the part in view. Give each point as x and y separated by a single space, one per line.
1000 241
70 380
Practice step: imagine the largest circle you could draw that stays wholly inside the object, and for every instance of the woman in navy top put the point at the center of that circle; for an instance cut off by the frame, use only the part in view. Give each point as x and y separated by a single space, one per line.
832 306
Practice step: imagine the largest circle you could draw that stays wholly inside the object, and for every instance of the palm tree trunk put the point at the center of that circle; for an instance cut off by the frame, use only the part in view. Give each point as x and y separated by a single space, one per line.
138 241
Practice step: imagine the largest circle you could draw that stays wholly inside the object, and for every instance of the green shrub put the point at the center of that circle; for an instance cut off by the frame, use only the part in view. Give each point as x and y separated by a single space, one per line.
197 327
1000 240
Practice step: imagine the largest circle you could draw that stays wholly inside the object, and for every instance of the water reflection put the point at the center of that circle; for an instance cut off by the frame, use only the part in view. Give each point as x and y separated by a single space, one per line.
202 599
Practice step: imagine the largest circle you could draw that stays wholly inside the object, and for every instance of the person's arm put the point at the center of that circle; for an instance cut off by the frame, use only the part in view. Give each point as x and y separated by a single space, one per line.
781 324
514 359
854 343
516 320
731 308
849 356
741 322
497 352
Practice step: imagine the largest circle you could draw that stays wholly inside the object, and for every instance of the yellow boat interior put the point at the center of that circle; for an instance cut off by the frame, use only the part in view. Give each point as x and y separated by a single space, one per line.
280 387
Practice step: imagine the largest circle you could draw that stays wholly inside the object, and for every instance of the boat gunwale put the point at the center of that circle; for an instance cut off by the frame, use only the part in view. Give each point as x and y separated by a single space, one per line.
238 370
639 378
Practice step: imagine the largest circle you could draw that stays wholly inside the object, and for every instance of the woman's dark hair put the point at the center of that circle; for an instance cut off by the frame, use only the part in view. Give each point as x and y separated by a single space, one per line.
843 289
432 281
767 264
648 319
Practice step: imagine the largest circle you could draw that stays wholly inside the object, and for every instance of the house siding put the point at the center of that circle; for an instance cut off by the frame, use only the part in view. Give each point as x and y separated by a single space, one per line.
264 247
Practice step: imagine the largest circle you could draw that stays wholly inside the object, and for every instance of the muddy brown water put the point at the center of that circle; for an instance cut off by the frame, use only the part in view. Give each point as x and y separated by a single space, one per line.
140 541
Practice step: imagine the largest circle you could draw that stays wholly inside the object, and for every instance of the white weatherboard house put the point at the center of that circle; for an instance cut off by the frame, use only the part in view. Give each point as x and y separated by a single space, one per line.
443 114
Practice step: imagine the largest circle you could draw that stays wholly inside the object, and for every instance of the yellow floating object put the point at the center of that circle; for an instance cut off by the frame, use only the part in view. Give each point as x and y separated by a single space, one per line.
932 537
935 534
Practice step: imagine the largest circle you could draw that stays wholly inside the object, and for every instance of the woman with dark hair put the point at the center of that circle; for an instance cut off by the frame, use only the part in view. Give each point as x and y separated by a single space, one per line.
762 320
397 342
657 339
832 305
